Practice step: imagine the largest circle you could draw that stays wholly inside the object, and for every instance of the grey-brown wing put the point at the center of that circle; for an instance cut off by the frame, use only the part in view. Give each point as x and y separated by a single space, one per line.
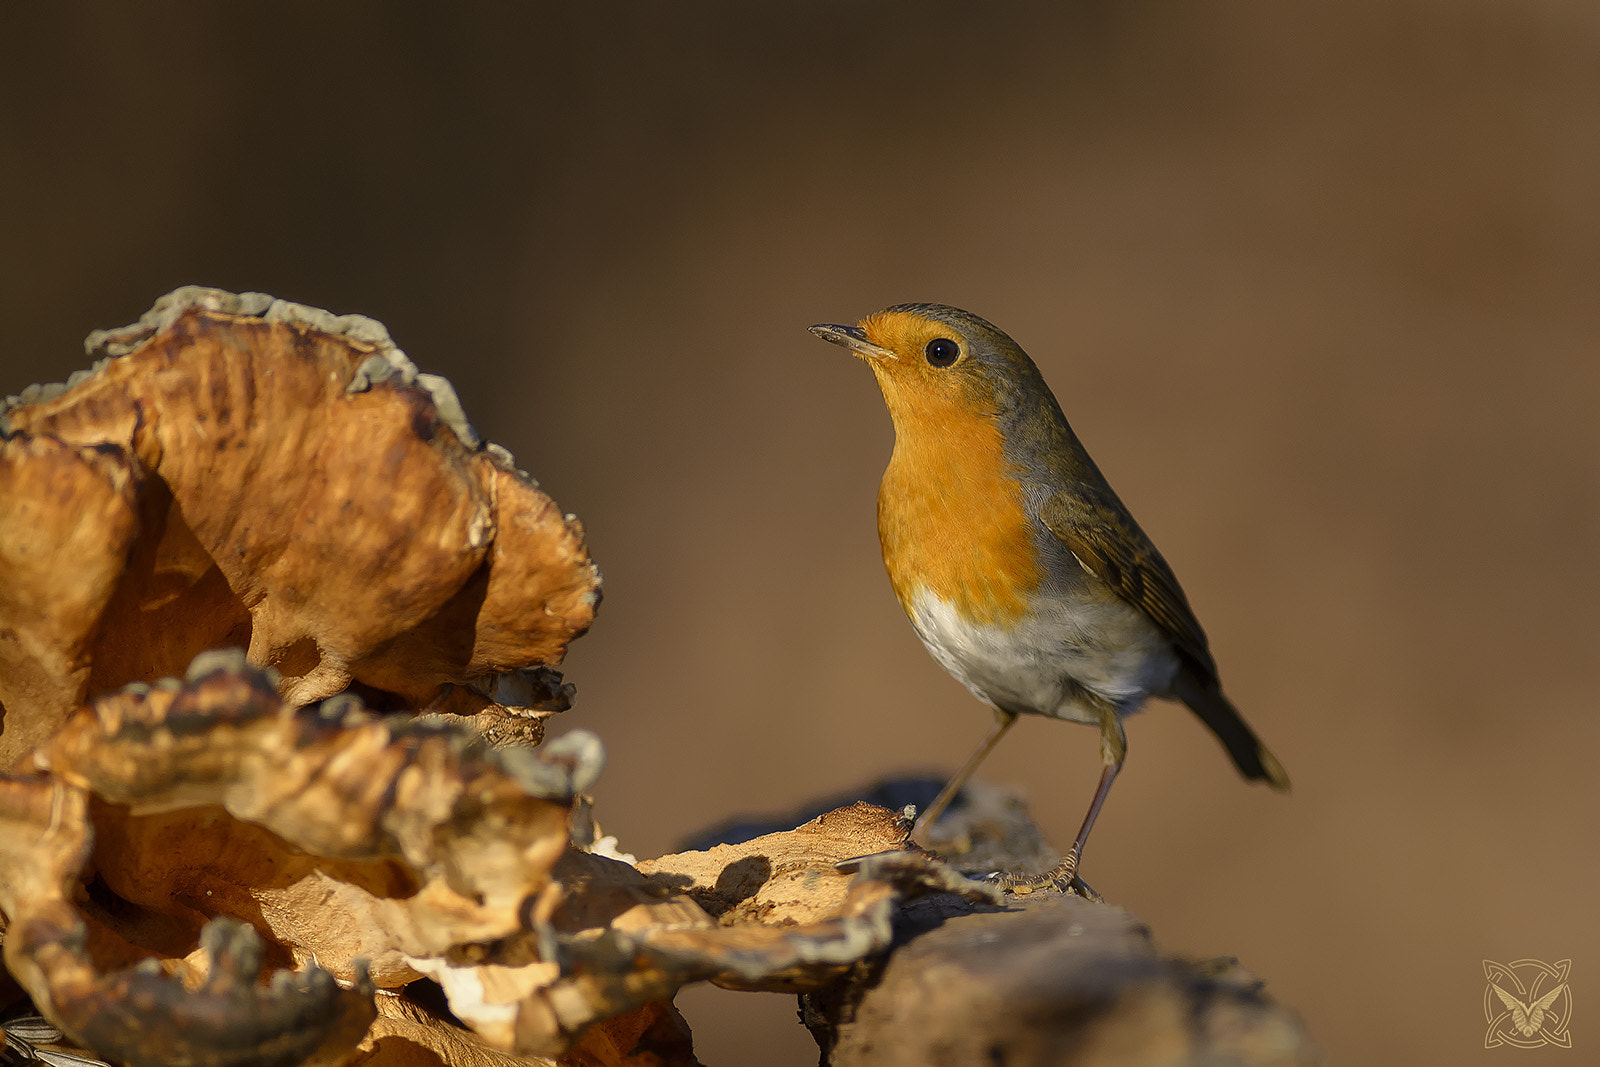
1097 529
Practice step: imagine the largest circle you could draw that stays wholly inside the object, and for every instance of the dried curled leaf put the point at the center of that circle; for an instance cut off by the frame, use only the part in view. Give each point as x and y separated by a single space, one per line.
792 912
780 915
345 834
207 1009
290 482
405 1035
68 518
369 843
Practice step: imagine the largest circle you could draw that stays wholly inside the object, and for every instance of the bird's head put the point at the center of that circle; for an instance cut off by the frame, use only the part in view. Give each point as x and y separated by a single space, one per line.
938 364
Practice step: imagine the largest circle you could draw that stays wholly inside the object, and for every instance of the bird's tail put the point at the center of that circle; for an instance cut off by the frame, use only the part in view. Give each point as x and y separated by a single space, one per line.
1253 759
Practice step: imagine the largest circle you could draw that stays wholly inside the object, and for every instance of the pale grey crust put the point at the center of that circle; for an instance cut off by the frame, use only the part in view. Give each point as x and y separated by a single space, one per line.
387 363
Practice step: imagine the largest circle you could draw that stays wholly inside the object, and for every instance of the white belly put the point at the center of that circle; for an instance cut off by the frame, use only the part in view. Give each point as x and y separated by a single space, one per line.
1107 647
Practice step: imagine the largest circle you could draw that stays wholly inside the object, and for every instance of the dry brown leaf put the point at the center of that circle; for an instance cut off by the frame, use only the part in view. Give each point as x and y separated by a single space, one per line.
608 938
69 516
209 1011
407 1035
345 834
788 877
290 482
367 843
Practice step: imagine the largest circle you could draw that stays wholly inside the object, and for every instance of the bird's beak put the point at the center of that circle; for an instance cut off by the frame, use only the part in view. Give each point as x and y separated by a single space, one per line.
854 338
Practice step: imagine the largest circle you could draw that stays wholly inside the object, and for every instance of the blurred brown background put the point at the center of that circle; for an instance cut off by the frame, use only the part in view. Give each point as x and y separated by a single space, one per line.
1317 284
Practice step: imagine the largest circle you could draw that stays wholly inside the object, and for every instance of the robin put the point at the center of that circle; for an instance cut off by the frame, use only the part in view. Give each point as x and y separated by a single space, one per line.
1024 575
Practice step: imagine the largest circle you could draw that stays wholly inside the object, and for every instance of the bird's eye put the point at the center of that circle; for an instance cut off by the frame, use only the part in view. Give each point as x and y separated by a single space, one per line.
941 351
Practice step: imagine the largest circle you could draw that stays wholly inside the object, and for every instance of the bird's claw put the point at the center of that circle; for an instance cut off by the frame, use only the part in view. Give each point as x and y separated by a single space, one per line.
1063 878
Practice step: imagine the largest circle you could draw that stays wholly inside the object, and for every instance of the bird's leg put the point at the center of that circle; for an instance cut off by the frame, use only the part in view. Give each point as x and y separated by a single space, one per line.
1003 721
1113 750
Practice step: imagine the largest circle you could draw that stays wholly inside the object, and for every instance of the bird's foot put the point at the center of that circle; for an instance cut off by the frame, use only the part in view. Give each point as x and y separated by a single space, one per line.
1062 878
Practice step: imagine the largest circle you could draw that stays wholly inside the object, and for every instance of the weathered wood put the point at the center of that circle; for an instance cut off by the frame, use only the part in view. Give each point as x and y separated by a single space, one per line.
1047 979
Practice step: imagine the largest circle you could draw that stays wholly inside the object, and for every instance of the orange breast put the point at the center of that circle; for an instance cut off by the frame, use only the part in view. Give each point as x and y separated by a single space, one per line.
950 516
